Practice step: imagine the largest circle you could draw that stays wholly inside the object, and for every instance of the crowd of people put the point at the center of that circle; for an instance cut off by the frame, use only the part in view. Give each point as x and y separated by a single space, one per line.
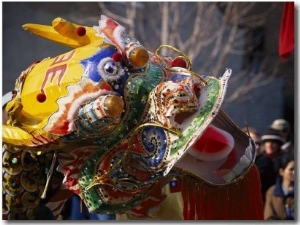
275 163
274 160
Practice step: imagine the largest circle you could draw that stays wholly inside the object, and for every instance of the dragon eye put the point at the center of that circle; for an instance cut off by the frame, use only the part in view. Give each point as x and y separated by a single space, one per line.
110 68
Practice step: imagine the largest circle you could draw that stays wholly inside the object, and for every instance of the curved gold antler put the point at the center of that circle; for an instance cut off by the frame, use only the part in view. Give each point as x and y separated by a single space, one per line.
184 56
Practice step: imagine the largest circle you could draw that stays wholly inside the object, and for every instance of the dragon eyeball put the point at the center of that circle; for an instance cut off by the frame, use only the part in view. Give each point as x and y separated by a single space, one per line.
110 70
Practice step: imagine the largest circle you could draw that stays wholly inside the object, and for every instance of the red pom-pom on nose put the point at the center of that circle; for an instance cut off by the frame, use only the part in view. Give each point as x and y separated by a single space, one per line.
117 56
81 31
41 97
179 62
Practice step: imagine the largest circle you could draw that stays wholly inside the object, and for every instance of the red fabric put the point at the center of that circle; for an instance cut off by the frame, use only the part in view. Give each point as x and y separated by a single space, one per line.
287 31
150 203
175 186
241 200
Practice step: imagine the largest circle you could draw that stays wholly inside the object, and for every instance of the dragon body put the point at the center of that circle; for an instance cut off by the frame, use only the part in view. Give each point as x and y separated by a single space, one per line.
113 122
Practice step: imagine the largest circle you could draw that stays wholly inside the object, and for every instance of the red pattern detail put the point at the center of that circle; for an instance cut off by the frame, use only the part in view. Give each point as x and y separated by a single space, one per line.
72 169
52 72
108 28
44 141
57 201
154 199
111 192
63 58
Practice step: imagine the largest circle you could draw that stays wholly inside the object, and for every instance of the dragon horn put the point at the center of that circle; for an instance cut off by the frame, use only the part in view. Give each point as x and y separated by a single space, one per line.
64 32
113 33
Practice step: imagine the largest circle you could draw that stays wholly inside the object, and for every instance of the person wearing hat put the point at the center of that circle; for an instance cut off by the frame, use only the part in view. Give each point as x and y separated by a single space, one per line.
267 162
272 142
283 126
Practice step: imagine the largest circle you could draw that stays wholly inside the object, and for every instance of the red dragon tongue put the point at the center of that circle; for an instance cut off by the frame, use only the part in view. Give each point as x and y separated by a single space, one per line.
111 31
213 145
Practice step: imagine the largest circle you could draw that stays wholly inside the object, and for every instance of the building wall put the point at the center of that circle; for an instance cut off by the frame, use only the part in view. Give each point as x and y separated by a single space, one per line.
276 99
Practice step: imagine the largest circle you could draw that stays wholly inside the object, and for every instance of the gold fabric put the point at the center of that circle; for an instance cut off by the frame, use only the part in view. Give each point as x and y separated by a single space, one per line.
171 208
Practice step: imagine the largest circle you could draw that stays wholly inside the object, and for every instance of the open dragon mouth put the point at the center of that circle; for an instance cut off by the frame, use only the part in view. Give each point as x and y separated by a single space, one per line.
221 171
218 167
216 147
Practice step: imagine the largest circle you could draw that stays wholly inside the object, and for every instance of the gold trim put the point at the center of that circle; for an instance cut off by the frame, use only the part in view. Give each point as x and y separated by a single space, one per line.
104 176
176 50
177 133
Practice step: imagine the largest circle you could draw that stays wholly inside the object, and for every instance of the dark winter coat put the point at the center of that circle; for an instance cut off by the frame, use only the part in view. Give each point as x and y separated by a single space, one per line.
268 171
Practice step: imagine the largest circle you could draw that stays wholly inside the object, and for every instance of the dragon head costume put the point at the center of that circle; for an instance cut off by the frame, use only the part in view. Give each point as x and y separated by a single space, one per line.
113 122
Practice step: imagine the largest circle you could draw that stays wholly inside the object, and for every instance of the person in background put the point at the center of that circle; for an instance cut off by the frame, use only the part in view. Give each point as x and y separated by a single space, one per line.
256 137
267 163
284 128
280 197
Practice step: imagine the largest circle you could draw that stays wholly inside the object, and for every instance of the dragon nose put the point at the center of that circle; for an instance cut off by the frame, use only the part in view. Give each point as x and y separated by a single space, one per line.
138 57
114 105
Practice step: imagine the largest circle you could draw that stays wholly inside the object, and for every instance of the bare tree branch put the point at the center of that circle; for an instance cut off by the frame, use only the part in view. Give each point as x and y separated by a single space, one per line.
209 33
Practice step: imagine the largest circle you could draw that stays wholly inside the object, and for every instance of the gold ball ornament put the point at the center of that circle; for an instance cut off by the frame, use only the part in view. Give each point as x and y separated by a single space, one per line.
114 105
138 57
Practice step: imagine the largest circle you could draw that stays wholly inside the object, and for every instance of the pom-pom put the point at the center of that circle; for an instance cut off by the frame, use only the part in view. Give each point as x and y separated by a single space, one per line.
41 97
179 62
117 57
81 31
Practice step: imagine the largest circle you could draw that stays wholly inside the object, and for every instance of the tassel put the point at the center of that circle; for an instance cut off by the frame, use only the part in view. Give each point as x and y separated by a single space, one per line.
239 200
49 175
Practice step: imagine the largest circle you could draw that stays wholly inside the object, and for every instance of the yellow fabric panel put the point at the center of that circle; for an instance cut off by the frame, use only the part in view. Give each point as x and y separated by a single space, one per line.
170 209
